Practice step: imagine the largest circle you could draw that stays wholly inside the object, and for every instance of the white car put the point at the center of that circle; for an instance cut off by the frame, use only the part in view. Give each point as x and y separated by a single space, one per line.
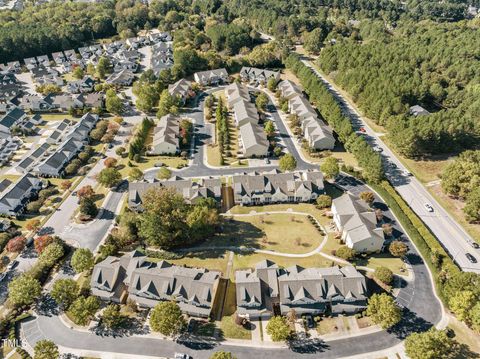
182 356
428 207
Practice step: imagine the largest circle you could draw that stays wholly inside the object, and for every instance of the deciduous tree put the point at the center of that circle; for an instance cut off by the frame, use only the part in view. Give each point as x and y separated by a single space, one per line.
167 319
278 329
383 310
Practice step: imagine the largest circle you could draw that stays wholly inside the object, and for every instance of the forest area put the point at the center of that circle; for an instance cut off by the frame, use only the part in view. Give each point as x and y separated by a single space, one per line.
434 65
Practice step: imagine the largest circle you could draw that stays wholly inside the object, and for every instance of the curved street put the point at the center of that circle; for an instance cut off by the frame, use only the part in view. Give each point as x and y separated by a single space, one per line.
421 307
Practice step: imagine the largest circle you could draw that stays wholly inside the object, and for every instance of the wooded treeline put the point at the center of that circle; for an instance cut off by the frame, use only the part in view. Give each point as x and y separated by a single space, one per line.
429 64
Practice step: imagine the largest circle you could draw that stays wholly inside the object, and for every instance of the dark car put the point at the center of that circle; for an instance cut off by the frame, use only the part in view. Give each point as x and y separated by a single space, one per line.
471 258
475 245
309 321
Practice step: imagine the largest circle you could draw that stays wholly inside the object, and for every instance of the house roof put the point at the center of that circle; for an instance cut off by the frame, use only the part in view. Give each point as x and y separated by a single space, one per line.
188 188
253 135
17 190
259 74
270 183
356 218
179 88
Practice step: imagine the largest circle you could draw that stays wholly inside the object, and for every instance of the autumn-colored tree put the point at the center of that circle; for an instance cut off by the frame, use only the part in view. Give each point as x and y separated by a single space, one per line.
110 162
16 245
65 185
85 192
41 242
33 225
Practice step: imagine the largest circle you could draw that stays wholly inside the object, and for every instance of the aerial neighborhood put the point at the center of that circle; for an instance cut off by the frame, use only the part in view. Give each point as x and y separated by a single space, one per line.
233 180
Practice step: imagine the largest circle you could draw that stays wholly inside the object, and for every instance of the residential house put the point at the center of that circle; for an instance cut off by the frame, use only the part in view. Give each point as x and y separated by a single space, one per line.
84 85
318 135
36 103
122 78
258 76
418 110
148 283
59 58
269 290
166 136
12 118
74 142
236 92
30 63
14 67
211 77
43 61
8 148
277 187
254 142
181 90
289 90
192 191
357 224
15 197
245 112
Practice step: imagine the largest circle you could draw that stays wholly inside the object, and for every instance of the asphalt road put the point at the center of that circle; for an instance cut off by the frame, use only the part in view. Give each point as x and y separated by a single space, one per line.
197 166
421 307
449 233
421 311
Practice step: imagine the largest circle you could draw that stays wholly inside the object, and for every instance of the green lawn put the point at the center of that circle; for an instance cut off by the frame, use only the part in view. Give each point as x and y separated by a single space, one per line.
284 233
149 162
327 326
211 259
465 335
296 207
57 117
228 327
213 155
383 260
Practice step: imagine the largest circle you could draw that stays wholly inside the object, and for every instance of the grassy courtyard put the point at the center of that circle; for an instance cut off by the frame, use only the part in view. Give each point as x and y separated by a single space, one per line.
285 233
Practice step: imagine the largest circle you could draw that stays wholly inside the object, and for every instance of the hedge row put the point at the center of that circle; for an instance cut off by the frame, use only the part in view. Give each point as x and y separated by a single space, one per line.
137 143
420 235
332 112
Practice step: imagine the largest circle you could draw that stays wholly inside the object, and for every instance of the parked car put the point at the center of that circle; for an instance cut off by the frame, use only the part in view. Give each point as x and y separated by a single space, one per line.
428 207
267 161
2 276
409 174
474 245
362 129
309 321
182 356
12 265
471 258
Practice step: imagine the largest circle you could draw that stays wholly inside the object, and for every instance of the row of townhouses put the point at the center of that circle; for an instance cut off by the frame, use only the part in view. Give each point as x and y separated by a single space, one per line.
357 224
318 135
166 136
15 197
73 143
257 76
268 290
253 140
248 188
277 187
38 103
191 190
211 77
148 283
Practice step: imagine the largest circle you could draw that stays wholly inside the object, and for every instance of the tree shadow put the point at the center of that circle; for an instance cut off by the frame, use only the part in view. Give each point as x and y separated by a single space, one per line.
410 323
302 344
